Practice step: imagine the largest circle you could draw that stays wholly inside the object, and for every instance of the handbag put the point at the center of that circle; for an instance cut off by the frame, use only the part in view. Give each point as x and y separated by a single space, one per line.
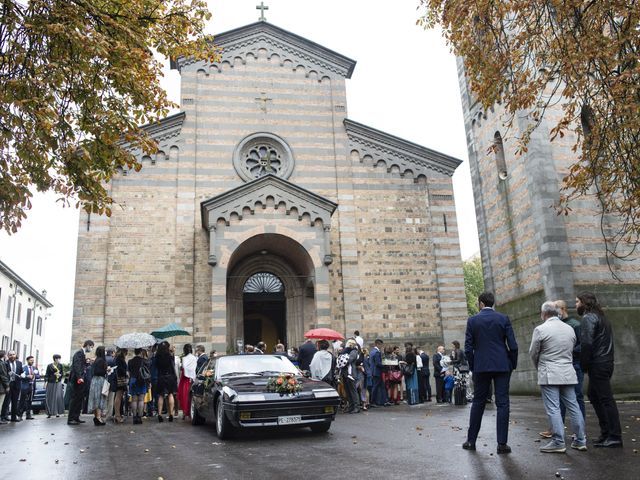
407 369
395 376
106 386
122 381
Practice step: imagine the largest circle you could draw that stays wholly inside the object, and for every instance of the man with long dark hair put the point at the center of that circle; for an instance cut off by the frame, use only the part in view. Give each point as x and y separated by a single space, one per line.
596 359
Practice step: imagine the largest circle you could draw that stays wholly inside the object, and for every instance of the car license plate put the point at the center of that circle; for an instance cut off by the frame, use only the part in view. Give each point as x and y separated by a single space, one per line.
289 420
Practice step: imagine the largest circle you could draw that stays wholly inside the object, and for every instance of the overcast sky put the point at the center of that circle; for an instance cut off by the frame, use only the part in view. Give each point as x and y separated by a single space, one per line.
404 83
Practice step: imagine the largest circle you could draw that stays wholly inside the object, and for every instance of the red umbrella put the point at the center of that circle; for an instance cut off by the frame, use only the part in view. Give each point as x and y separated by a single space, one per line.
324 334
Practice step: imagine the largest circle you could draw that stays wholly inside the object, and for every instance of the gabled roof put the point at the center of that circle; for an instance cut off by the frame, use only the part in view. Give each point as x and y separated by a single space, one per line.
250 38
14 277
258 192
396 151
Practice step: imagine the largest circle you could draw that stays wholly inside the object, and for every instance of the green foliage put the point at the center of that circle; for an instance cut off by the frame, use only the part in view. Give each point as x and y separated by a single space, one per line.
78 78
473 283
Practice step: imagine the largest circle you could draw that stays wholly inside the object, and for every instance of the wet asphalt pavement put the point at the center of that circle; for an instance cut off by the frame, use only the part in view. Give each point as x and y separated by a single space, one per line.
397 442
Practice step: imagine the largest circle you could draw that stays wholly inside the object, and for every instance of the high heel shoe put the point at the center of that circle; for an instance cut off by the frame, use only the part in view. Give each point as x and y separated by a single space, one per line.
160 419
171 418
118 419
97 422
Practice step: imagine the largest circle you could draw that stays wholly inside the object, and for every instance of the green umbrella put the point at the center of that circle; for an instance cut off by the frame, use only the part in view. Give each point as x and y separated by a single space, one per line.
171 330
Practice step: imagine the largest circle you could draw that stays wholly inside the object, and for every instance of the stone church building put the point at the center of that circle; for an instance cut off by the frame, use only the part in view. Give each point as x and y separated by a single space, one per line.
267 212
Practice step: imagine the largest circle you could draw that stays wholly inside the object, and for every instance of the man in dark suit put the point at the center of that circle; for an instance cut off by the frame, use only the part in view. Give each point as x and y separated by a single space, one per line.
378 392
14 369
492 353
76 382
305 354
202 357
426 374
438 374
28 376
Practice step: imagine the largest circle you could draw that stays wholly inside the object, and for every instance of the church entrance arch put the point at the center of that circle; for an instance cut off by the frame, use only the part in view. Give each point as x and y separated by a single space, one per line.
270 291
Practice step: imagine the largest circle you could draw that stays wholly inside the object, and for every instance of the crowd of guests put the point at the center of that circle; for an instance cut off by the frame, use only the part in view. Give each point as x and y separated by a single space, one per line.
118 383
381 375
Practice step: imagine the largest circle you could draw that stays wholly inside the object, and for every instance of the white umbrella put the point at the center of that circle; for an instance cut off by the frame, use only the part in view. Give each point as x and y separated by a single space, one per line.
135 340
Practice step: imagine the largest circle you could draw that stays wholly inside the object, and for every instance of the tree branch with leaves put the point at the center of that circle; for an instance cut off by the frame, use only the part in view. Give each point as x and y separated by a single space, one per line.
77 80
582 56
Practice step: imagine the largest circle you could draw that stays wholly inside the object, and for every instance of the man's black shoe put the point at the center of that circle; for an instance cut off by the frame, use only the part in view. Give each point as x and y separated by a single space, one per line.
469 446
504 448
600 439
609 444
73 422
30 418
16 419
81 421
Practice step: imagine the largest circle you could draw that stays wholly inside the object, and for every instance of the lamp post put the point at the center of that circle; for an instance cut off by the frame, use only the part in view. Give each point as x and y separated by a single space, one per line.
17 291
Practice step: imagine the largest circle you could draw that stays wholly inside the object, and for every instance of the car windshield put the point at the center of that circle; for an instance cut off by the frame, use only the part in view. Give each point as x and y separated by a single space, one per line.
254 364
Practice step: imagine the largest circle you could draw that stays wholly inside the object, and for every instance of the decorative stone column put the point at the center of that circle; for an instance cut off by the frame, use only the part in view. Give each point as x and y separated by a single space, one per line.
213 260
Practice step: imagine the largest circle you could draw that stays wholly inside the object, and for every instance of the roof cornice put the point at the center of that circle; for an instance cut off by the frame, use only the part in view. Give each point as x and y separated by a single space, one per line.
258 191
4 268
249 38
396 151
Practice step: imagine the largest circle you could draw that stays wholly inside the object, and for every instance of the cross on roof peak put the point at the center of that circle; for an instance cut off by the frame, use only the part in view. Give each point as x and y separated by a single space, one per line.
262 7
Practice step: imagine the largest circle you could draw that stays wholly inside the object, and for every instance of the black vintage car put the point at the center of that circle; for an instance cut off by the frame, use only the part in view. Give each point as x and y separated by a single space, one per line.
236 391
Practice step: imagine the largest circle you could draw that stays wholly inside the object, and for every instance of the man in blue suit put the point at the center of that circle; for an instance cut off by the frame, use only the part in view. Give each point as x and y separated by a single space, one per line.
378 392
492 353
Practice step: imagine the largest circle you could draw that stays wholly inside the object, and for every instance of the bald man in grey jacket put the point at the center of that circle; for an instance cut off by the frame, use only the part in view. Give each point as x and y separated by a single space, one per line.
552 354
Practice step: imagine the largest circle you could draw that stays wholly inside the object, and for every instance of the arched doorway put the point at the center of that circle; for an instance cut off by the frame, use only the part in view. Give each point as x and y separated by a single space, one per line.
264 309
279 313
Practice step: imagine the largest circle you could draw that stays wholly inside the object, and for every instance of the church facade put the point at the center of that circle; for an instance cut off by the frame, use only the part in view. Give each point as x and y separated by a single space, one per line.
267 212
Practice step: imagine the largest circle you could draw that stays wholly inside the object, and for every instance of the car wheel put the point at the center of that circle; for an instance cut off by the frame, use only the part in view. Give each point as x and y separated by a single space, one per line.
196 418
224 429
320 427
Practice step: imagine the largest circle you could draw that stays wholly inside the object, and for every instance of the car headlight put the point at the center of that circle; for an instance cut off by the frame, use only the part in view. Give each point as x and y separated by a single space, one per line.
251 397
229 393
325 393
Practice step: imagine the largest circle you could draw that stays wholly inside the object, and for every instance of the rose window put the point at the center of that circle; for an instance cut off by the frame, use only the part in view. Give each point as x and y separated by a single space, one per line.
262 154
261 160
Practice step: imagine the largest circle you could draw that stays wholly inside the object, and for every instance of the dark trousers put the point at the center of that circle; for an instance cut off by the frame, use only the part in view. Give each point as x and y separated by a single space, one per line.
422 387
25 402
579 394
439 388
75 404
378 392
601 397
481 383
350 386
14 395
427 383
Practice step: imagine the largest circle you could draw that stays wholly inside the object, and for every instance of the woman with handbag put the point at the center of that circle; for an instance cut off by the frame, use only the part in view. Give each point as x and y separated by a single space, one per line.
167 383
96 400
121 383
411 376
138 377
391 374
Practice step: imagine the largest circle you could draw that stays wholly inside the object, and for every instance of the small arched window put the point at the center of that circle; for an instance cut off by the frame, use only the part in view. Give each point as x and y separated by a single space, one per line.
501 164
263 282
